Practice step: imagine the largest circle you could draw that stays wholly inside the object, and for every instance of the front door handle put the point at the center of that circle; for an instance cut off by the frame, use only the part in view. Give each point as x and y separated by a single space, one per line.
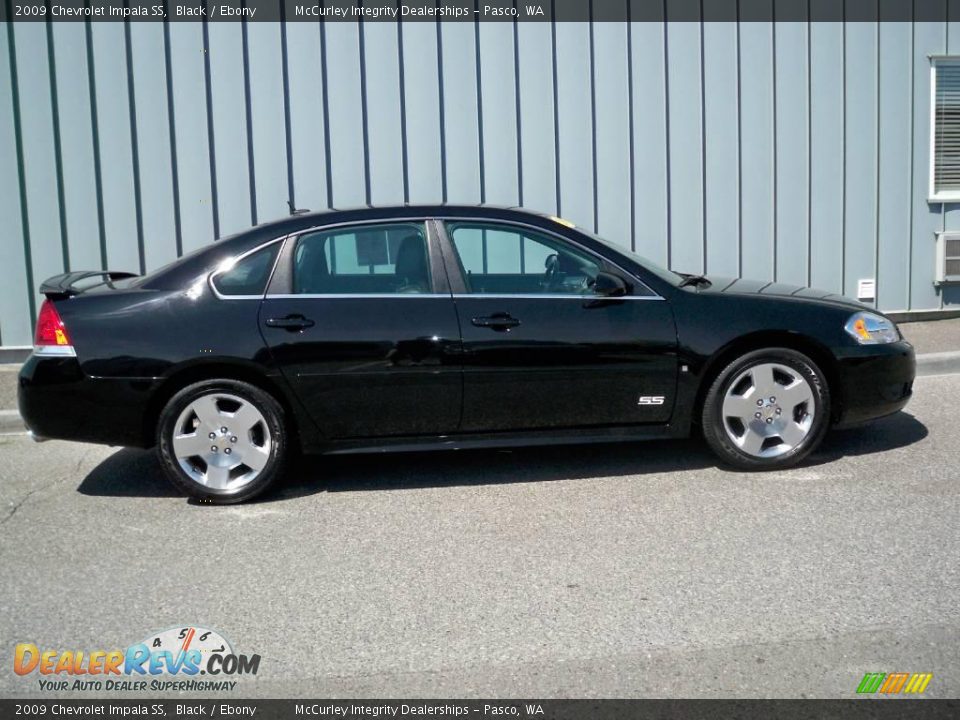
497 321
293 323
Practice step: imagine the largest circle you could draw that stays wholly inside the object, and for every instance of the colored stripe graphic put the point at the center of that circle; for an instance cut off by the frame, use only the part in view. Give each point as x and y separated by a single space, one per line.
893 683
870 682
918 682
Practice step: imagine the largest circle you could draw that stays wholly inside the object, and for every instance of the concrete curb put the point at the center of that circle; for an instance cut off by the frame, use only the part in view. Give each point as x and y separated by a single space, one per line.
938 363
14 354
10 421
909 316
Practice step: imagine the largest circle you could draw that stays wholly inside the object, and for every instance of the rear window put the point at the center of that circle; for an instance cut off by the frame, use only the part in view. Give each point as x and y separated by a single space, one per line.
248 276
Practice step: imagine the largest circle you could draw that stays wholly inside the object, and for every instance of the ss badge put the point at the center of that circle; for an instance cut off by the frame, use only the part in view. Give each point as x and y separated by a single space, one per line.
651 400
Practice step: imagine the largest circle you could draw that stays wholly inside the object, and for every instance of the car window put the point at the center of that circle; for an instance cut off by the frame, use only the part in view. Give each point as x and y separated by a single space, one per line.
502 259
248 276
367 260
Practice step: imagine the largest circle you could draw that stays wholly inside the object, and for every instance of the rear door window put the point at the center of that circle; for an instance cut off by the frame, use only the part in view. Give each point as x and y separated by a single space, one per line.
367 260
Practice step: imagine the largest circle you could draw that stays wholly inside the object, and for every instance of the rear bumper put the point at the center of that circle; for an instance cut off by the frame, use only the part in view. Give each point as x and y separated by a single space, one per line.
57 401
874 380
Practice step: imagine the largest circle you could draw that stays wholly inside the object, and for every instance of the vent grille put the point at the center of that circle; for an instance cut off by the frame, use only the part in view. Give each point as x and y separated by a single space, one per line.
948 257
946 150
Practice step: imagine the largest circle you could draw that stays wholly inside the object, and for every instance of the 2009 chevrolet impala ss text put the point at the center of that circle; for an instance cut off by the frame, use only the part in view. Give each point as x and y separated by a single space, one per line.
443 327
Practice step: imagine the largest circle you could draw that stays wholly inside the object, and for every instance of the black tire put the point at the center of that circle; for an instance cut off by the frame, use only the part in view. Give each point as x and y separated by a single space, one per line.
273 417
713 422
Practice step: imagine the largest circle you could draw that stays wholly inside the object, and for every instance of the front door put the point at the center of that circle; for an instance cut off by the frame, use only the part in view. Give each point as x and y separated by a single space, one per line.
361 321
540 349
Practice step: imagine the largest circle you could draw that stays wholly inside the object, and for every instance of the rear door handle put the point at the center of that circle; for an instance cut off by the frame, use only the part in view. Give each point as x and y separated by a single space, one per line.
293 323
497 321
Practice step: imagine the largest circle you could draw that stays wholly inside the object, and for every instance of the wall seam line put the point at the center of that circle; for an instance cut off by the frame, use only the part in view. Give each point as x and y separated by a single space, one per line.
95 137
703 144
479 75
843 142
325 103
248 112
134 144
21 174
773 78
443 113
556 106
172 130
287 114
516 99
809 151
739 152
401 78
666 129
630 123
593 119
57 143
211 139
876 199
913 112
364 113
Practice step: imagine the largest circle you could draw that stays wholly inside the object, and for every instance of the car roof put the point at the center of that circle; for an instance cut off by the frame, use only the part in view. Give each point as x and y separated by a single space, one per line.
372 212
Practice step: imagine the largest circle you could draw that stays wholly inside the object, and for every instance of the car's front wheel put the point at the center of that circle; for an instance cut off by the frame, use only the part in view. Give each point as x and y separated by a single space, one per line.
767 409
222 441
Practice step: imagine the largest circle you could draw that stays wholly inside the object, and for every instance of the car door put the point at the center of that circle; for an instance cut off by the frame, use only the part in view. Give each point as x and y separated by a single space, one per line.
361 322
540 348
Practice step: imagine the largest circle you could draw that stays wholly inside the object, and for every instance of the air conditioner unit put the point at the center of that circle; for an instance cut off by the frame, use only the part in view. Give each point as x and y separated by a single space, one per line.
948 257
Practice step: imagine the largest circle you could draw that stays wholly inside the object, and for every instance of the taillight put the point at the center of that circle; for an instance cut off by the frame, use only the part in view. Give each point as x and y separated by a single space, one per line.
51 332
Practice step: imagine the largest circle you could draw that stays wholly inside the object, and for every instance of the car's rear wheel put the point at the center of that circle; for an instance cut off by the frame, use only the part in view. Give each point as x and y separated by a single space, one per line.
222 441
767 409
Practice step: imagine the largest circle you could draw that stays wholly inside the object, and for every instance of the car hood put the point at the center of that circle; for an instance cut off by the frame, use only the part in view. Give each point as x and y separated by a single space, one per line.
742 286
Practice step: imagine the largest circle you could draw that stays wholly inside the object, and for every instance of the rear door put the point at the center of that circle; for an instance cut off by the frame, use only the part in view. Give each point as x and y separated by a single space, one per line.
540 349
361 321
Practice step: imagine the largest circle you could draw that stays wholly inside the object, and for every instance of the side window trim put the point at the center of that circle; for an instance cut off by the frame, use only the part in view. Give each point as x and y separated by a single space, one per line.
455 269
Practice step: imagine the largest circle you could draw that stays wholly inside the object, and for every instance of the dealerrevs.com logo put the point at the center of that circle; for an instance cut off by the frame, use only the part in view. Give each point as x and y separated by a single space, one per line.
172 660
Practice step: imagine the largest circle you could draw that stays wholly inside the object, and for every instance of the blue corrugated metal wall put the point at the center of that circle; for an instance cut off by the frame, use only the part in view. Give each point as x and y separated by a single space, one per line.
789 151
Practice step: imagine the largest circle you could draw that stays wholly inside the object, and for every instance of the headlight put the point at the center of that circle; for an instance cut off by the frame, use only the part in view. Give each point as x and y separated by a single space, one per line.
870 329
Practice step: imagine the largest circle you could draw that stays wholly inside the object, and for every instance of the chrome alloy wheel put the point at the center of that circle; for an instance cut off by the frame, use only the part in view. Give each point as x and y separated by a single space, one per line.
768 410
222 441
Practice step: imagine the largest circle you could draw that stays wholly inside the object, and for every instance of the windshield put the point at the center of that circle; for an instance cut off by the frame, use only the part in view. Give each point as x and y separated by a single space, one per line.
661 272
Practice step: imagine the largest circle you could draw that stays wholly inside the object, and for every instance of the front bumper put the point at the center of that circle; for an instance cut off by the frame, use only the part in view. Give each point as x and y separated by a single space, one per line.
874 380
58 401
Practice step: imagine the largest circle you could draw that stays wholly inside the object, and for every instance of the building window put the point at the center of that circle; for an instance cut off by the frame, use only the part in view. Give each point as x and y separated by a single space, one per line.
945 130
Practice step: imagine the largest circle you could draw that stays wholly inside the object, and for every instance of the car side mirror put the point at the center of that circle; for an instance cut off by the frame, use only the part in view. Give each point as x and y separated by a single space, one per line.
609 285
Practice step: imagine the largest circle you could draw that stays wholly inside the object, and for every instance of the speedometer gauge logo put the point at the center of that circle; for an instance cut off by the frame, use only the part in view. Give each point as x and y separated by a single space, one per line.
179 641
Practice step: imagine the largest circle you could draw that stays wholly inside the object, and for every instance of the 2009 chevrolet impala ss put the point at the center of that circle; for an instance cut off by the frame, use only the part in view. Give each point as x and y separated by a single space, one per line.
443 327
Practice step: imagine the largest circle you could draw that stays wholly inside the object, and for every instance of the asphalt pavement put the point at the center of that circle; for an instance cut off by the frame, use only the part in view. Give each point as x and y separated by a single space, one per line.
640 570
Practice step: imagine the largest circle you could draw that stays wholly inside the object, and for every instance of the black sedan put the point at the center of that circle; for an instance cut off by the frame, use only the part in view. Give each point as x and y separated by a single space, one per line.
408 328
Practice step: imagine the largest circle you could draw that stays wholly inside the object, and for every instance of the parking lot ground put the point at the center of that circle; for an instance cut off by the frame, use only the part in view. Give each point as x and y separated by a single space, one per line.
592 571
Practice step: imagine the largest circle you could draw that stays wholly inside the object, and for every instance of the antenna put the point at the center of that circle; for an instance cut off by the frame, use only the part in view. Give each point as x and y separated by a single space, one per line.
296 211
